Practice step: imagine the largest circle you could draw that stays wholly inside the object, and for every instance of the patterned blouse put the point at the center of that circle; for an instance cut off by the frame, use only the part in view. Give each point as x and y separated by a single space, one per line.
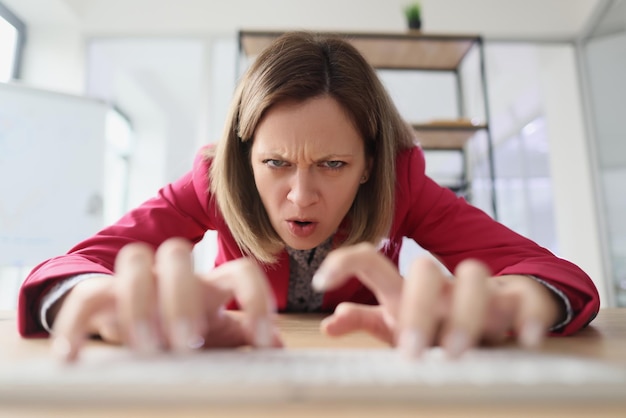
302 266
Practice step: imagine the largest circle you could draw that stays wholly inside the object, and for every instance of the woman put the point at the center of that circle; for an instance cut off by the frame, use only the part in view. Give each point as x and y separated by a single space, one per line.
315 173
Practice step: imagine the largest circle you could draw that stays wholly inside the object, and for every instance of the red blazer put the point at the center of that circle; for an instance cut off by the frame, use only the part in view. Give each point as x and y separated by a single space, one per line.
433 216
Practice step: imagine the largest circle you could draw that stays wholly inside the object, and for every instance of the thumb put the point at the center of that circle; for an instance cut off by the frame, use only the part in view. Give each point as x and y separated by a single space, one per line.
350 317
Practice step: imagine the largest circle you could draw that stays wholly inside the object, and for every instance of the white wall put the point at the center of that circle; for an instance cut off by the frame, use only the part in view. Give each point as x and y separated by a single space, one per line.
577 219
520 18
54 59
605 61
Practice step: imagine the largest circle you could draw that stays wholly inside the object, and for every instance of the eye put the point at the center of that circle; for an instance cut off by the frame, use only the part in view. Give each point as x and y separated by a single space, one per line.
333 164
275 163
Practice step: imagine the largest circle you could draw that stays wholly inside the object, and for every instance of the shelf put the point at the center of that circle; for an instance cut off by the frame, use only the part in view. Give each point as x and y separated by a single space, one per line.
415 51
459 188
410 50
445 135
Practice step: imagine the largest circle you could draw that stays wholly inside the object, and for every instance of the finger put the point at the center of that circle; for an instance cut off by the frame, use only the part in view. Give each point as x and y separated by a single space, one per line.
137 297
179 295
230 330
500 313
74 320
469 307
372 268
351 317
498 329
534 314
107 326
244 280
419 314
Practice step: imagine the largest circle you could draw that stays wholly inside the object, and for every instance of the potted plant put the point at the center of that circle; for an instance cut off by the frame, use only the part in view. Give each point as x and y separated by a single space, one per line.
413 13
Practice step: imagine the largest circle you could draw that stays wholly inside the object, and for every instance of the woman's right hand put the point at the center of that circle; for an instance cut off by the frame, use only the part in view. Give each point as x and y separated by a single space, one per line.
156 302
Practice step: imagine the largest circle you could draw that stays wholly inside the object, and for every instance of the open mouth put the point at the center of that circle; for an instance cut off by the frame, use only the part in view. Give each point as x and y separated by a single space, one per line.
302 223
302 228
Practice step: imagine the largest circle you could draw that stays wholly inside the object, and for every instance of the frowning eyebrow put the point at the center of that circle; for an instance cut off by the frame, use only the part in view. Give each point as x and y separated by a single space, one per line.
282 156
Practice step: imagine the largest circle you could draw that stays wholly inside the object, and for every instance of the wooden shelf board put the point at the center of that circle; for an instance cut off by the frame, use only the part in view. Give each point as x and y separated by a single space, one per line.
445 136
409 50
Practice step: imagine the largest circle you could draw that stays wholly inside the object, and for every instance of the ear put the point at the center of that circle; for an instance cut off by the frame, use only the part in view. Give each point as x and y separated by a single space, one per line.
367 171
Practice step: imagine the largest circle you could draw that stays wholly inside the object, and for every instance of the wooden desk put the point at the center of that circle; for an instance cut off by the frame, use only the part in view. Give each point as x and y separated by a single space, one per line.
604 339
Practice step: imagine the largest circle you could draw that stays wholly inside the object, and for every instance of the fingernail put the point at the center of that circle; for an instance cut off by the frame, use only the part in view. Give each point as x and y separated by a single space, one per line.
145 339
319 281
531 334
456 343
263 335
196 342
61 348
184 337
411 343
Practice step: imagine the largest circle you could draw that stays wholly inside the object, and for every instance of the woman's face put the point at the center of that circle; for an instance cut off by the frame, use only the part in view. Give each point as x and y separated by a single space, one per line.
308 161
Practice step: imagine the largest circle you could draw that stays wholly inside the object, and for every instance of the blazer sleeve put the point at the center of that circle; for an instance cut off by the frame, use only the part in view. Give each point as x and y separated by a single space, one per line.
180 209
453 230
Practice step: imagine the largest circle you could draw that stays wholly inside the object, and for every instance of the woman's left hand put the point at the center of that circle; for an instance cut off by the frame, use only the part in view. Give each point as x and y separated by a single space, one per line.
430 308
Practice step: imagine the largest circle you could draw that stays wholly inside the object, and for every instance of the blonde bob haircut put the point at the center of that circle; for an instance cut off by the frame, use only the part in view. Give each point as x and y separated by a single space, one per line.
298 66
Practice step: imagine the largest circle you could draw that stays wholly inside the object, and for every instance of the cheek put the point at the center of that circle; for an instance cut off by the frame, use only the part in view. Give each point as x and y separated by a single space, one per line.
341 194
261 184
269 189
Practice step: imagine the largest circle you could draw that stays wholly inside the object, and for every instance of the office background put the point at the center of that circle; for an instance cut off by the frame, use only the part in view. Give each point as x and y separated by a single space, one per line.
166 70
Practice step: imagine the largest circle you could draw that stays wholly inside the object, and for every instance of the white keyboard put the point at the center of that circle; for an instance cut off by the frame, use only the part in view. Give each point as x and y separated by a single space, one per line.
116 374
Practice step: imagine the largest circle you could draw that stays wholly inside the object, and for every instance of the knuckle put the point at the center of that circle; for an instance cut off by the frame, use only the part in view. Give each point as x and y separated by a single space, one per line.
472 268
423 264
364 252
248 268
136 252
365 248
90 290
174 247
92 293
343 309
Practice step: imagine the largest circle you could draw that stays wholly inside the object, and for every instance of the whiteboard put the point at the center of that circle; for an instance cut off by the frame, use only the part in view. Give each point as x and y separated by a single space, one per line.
51 172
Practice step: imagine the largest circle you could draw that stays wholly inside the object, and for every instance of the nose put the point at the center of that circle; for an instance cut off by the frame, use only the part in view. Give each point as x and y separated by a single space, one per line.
303 190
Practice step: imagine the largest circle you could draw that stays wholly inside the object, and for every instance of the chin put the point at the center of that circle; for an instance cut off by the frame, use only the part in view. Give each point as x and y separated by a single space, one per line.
301 245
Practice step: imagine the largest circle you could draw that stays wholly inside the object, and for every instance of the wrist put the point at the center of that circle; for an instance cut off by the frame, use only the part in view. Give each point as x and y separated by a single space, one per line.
53 300
566 313
555 305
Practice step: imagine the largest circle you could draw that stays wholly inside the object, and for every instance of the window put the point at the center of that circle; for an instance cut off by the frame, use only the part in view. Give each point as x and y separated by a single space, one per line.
119 149
12 35
604 56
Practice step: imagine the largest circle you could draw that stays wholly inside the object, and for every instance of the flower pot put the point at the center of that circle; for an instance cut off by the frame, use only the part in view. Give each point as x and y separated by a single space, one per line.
415 24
